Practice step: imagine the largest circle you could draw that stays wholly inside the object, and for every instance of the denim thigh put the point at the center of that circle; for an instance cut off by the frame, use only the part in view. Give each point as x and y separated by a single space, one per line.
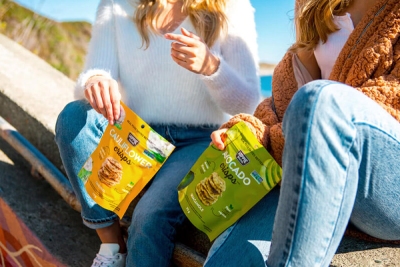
158 213
79 129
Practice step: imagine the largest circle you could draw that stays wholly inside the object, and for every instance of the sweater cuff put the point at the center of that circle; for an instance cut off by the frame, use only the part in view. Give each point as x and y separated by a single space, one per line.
84 77
260 130
218 73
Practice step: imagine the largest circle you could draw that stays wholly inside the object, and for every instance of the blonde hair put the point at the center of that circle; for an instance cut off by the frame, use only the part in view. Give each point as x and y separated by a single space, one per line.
314 21
207 16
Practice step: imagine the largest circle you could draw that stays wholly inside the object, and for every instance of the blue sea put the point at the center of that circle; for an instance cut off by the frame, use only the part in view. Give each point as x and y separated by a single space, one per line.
266 85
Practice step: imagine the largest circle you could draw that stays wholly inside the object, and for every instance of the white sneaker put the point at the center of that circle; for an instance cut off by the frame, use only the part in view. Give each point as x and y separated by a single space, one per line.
108 256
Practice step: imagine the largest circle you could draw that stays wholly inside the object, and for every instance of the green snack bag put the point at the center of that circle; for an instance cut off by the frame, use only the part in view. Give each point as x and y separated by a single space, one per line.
223 185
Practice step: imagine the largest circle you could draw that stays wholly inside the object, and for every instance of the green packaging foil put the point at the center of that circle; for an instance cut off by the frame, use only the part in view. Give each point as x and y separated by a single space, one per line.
223 185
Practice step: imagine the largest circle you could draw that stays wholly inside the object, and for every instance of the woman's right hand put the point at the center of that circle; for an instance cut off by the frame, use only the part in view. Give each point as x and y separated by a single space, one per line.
218 138
104 96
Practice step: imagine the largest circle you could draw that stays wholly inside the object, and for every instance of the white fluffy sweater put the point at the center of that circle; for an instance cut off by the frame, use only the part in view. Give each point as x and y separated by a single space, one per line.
159 90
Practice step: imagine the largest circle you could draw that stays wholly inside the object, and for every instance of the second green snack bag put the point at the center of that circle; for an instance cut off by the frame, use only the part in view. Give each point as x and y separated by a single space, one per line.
223 185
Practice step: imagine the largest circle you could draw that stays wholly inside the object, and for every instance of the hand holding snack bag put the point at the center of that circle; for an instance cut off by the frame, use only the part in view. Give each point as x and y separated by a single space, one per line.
224 184
129 154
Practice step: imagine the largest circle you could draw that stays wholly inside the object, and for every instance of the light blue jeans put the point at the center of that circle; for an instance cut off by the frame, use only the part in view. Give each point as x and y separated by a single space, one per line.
341 163
158 213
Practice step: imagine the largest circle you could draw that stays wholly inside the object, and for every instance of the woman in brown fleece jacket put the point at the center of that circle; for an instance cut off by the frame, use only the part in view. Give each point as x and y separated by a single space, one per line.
332 123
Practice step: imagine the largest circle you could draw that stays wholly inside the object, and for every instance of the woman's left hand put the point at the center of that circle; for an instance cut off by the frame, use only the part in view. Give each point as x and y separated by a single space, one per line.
190 52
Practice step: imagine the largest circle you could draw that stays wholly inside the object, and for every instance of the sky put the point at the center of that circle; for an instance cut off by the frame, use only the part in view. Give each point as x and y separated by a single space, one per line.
274 20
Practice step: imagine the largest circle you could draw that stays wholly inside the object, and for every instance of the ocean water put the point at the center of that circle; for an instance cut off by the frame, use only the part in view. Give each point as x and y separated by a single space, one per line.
266 85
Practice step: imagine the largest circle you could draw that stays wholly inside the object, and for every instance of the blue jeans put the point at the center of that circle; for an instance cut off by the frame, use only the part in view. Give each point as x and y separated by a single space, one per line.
340 164
158 213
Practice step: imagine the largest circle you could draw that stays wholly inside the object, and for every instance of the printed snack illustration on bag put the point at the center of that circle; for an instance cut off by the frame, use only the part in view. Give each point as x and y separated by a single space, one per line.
110 172
129 154
210 188
223 185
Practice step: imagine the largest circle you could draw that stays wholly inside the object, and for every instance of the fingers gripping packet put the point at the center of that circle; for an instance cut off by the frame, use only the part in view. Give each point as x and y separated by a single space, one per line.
129 154
223 185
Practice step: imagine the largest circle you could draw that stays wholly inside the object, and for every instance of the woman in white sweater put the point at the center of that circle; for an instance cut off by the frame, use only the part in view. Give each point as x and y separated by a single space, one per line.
185 67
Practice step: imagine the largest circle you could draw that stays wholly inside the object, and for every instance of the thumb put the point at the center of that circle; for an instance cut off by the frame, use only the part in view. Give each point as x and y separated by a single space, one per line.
190 34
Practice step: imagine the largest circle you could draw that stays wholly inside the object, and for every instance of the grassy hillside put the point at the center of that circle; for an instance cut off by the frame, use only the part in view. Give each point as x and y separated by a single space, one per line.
63 45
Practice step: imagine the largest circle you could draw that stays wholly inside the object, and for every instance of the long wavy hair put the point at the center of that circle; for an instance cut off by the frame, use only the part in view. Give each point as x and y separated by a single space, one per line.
314 21
207 16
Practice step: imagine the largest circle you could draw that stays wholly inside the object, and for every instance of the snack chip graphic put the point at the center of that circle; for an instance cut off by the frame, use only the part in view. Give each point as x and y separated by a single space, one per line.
210 188
110 172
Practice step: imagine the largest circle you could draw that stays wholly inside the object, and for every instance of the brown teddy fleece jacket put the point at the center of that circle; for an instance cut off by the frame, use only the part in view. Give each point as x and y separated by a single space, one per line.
369 62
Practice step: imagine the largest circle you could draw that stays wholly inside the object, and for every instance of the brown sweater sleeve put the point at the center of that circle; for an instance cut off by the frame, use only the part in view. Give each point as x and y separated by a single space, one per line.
270 137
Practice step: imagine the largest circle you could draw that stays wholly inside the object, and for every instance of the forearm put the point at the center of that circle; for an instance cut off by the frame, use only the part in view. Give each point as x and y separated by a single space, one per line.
235 86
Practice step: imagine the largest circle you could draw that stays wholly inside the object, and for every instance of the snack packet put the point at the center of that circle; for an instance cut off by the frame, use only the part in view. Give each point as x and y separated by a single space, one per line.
223 185
129 154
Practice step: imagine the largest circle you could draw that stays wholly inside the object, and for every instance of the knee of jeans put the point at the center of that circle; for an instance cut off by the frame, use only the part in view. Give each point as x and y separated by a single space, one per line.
147 219
68 117
305 99
143 218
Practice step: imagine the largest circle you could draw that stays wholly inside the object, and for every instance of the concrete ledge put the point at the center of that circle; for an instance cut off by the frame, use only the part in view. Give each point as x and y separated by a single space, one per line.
32 94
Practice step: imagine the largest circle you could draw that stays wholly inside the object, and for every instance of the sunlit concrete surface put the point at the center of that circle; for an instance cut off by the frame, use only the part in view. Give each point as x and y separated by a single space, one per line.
47 216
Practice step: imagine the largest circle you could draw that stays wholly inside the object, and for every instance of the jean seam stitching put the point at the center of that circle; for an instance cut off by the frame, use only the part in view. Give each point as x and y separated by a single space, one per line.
312 111
378 129
342 192
98 221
